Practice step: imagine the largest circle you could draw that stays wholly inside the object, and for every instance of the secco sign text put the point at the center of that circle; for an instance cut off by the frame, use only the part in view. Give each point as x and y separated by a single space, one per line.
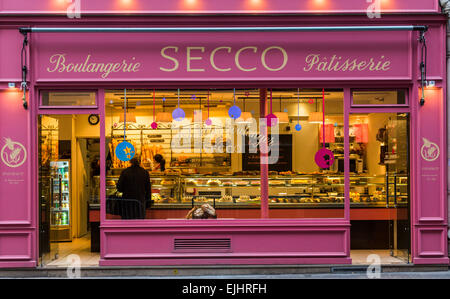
222 56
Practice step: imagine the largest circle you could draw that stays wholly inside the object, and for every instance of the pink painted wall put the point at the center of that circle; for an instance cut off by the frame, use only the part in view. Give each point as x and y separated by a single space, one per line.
308 241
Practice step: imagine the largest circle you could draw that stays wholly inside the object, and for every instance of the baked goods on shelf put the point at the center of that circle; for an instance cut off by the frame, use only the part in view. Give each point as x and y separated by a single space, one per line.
172 172
276 183
167 182
186 199
110 183
225 198
213 182
355 196
243 198
227 183
191 183
286 173
241 183
296 182
255 183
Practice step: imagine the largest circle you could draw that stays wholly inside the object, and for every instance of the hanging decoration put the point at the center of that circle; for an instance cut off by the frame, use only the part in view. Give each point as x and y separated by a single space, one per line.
324 158
208 121
178 114
234 112
298 127
154 124
271 118
125 150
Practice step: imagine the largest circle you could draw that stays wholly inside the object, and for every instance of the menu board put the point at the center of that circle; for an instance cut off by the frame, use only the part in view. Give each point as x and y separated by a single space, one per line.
250 161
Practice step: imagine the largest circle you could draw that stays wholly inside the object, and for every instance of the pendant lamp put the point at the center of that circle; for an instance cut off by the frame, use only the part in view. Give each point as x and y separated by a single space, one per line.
283 117
245 116
131 118
315 117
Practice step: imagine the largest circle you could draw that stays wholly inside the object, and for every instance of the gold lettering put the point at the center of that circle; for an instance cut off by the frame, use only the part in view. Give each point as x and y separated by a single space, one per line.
212 59
189 58
175 61
285 59
311 60
236 59
386 66
57 60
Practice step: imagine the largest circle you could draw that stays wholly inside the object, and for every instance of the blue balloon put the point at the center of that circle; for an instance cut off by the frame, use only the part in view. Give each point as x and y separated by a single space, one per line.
125 151
234 112
298 127
178 114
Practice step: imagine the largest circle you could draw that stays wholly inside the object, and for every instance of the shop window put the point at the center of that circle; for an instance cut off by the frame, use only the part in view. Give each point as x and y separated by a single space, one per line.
379 97
203 166
208 164
298 186
68 99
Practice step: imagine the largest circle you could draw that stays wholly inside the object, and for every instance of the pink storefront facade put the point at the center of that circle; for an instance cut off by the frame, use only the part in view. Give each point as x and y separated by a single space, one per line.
287 59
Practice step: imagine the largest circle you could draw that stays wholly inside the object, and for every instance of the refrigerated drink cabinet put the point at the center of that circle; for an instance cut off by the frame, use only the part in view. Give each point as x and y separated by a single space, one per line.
60 222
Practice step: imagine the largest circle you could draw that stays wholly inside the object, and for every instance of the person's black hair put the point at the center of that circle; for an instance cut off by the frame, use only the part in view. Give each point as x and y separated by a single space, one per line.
135 161
158 158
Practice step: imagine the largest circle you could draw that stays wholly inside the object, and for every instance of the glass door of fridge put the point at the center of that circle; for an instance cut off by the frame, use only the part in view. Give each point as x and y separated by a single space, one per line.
47 152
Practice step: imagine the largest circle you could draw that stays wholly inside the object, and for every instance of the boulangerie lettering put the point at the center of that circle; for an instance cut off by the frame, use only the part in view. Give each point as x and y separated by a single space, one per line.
59 64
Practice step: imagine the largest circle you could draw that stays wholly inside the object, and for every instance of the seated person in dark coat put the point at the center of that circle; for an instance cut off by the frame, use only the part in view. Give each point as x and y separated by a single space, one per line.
134 183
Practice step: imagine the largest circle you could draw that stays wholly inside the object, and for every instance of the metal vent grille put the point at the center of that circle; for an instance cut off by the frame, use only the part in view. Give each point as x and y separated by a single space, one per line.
202 245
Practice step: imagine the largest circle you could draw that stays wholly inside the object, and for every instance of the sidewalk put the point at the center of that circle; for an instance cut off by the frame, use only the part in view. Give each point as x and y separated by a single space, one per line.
237 272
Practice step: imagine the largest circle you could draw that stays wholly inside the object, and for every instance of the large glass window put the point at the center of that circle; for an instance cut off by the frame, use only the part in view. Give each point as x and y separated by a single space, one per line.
187 142
211 156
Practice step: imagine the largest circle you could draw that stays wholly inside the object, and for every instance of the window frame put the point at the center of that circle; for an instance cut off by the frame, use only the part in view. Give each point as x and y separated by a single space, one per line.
42 106
353 105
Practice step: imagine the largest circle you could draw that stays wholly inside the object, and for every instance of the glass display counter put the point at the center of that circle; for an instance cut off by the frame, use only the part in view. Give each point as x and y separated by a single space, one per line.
290 191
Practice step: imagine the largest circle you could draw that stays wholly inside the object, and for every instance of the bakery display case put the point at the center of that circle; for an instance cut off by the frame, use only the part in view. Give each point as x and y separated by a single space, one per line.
296 190
286 191
165 189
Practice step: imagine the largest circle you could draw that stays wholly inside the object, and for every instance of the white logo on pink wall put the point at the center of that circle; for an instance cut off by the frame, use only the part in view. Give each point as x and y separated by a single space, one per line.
13 153
429 150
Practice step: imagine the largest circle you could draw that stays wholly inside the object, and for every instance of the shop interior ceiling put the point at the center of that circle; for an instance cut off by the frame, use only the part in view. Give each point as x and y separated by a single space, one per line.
139 98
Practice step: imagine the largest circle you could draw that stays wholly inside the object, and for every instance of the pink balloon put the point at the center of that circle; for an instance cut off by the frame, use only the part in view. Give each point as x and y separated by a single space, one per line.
154 125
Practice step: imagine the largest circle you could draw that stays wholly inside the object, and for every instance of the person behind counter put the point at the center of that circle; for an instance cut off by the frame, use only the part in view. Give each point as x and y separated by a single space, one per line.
134 183
161 163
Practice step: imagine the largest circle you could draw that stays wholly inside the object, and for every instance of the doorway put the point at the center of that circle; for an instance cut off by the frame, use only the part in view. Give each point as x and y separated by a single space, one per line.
380 187
69 170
